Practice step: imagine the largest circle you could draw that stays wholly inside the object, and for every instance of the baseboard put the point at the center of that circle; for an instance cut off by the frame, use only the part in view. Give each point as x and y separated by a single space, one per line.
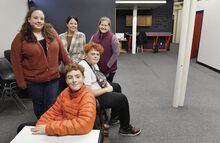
205 65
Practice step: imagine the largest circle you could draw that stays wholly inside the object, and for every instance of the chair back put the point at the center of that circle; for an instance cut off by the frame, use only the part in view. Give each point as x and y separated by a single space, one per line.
7 54
6 72
141 38
8 85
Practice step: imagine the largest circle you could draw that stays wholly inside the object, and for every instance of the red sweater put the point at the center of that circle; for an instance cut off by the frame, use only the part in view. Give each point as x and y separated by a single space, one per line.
72 113
31 65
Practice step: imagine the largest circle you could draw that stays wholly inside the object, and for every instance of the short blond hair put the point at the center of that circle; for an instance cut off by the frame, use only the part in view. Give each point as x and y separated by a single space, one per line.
73 66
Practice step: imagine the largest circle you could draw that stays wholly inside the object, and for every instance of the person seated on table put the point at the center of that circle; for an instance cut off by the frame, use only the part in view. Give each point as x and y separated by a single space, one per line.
106 93
74 111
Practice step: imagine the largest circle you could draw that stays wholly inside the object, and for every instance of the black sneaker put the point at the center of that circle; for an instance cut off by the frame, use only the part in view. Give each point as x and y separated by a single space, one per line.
130 131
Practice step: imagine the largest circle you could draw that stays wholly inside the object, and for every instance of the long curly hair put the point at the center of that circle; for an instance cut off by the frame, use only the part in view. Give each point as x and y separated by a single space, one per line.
26 29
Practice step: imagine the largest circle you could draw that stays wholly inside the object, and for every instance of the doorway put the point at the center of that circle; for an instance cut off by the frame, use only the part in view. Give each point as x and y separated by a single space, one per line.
196 34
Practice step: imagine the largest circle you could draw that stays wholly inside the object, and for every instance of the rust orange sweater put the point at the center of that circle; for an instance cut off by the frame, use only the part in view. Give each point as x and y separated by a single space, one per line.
72 113
31 65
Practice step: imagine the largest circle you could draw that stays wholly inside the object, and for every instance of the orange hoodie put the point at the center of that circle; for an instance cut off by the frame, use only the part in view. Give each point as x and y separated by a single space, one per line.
72 113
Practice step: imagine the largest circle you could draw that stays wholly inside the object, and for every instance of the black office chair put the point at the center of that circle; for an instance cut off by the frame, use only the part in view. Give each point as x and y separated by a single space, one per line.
22 93
141 40
7 55
8 85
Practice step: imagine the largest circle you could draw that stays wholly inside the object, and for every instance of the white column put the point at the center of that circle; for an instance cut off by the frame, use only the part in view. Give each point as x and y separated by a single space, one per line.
179 22
134 29
190 31
174 26
181 54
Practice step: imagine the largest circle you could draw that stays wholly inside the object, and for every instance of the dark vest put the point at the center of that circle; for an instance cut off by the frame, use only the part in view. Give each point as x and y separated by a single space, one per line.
106 41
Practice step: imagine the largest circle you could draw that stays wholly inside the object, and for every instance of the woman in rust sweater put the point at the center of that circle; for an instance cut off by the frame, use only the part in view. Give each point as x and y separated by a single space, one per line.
74 111
35 54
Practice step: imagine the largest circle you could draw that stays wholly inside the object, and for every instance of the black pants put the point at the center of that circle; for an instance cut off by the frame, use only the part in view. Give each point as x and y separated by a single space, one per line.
62 82
110 77
118 102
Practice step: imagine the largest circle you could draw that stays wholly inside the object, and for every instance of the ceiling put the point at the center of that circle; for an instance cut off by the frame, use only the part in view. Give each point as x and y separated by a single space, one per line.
141 4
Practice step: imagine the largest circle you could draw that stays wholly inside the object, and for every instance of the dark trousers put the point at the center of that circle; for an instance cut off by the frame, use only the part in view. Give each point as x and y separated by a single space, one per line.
43 95
118 102
116 88
62 82
110 77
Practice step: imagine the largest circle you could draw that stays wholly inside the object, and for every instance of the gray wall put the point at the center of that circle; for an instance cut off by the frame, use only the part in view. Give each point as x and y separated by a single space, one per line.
87 11
162 19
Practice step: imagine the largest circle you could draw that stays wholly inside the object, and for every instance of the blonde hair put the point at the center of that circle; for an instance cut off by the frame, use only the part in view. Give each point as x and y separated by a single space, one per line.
105 18
73 66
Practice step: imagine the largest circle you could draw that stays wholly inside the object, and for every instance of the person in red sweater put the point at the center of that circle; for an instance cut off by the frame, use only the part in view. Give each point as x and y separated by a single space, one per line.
35 54
74 111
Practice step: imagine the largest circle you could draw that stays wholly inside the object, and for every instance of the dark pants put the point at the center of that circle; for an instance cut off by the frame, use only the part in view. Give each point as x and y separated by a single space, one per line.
62 83
116 87
118 102
110 77
43 95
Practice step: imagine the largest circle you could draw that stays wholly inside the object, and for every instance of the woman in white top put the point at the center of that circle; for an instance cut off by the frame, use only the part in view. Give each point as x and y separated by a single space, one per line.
73 40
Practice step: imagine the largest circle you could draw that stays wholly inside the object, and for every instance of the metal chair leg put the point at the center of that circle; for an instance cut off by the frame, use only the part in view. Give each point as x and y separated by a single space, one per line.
2 100
19 102
11 92
105 125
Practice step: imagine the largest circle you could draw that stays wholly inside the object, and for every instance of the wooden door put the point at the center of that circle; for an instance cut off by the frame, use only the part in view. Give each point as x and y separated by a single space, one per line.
196 35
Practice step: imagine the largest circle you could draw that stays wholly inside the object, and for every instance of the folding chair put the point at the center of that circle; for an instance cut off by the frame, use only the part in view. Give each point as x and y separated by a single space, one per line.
8 85
103 123
7 55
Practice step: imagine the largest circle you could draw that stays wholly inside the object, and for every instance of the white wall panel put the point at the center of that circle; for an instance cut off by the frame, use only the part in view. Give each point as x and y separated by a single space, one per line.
209 48
12 13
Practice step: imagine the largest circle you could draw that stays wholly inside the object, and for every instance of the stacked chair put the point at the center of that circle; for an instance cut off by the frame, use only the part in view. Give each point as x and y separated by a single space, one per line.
8 85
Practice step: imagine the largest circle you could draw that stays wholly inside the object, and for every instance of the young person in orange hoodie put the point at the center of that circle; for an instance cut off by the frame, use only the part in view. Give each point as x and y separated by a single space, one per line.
74 111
